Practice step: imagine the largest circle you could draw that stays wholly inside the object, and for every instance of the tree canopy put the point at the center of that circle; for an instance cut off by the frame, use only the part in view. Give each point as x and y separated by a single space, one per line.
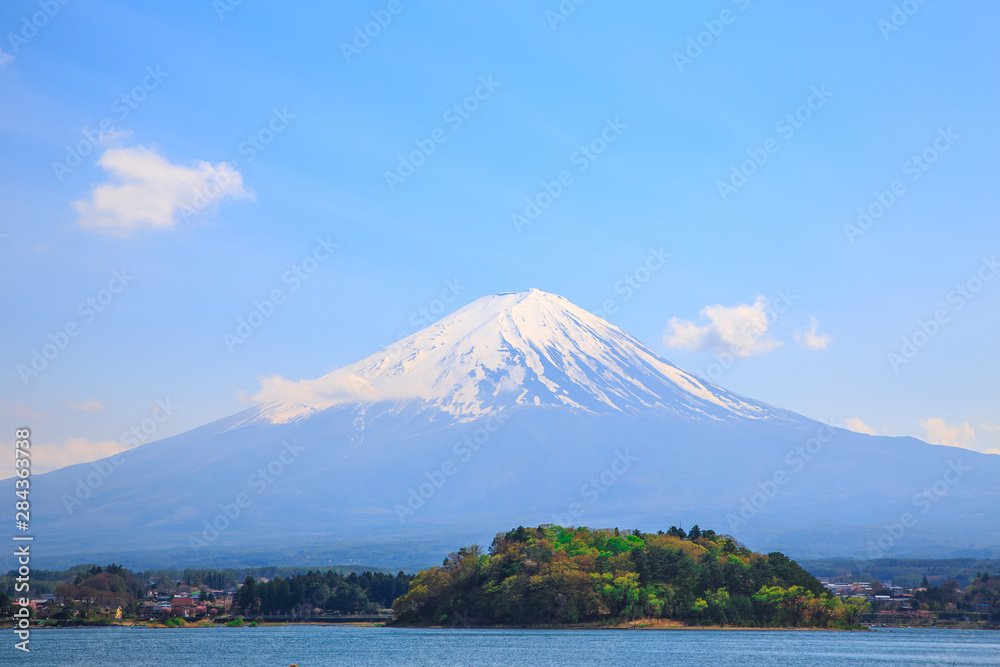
317 592
555 575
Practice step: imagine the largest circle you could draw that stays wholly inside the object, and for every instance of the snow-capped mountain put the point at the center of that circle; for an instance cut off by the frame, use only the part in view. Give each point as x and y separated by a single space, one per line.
514 349
519 408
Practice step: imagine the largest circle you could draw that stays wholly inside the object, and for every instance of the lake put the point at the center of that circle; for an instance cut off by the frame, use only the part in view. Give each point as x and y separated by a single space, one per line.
338 645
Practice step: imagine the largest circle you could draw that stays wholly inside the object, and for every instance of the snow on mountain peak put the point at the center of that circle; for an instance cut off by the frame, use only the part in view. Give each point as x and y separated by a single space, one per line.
508 349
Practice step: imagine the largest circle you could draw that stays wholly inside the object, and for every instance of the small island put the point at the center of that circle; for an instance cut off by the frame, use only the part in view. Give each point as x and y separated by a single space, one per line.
556 576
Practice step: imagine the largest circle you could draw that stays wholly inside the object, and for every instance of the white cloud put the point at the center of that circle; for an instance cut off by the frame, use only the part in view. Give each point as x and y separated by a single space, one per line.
856 424
992 450
297 398
941 433
88 406
5 58
145 191
53 456
809 338
740 330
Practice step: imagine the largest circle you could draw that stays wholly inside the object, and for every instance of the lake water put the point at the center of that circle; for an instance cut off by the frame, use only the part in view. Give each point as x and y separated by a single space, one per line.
338 645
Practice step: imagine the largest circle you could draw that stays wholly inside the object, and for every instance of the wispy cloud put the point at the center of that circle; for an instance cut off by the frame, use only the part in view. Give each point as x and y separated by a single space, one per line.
5 58
940 432
146 191
809 337
855 424
741 329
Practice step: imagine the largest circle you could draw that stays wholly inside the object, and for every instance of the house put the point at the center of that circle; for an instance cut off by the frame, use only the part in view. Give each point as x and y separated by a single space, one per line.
182 606
148 610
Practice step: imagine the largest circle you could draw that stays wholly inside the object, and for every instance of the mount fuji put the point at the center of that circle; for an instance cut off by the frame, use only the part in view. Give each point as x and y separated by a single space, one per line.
519 408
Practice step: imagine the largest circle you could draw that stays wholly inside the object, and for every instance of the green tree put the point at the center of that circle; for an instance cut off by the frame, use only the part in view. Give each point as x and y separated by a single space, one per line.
247 597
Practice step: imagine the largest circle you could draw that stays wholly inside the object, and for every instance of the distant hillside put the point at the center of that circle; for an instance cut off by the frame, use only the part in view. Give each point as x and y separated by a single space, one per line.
902 571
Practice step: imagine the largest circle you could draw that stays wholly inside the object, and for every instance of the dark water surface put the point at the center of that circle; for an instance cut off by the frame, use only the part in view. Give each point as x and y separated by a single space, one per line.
338 645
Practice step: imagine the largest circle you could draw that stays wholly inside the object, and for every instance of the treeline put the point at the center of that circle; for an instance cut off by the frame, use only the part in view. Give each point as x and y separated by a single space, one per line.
104 585
906 572
226 578
317 592
982 595
43 581
165 580
555 575
218 580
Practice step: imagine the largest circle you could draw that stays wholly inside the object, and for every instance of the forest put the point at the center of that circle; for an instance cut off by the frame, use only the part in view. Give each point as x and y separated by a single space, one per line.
317 592
550 575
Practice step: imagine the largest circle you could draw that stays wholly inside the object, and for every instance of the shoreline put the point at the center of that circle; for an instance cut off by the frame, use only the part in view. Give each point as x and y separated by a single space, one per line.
640 624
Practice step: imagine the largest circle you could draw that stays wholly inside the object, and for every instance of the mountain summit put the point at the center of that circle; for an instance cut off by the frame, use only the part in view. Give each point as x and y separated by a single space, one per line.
512 349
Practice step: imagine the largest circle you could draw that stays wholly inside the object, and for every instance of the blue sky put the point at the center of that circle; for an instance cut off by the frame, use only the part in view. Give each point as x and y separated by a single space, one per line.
287 136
